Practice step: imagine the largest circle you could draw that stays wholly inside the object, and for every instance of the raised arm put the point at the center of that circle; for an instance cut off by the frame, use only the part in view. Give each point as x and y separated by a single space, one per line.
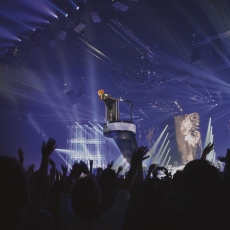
91 166
64 171
21 156
47 149
136 160
77 170
110 165
52 172
207 150
150 171
119 170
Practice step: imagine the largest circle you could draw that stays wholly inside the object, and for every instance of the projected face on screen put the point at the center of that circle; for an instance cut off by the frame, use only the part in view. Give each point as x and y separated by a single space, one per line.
188 136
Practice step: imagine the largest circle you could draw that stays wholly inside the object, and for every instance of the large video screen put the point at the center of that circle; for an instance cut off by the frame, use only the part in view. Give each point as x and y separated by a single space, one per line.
188 136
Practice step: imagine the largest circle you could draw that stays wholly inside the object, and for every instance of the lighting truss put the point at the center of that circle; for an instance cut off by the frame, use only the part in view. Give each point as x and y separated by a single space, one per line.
134 79
164 107
93 50
208 40
147 51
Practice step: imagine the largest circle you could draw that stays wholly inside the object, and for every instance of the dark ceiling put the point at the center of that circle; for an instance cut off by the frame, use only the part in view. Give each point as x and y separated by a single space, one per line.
169 57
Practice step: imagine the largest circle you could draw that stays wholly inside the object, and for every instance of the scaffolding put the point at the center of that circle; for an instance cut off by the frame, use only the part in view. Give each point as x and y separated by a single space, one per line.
86 143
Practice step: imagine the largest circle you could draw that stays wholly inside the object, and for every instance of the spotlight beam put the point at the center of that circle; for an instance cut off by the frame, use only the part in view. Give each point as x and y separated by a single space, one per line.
165 157
168 162
154 147
207 138
161 148
162 154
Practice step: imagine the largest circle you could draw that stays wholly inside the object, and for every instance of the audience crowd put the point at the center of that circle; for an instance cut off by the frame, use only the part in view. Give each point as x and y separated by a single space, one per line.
197 197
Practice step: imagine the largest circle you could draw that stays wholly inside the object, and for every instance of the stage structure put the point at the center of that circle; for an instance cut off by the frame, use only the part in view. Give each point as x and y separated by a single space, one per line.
86 143
118 125
211 157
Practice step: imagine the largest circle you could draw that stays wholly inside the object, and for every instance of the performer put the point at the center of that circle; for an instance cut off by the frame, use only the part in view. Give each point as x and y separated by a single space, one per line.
101 94
111 104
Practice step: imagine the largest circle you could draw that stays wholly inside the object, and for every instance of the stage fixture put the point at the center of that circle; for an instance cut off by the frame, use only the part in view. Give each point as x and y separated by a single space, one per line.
123 131
79 28
95 17
119 6
135 79
86 143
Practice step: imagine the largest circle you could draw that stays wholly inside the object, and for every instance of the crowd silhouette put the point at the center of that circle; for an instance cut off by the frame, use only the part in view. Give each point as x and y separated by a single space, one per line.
196 197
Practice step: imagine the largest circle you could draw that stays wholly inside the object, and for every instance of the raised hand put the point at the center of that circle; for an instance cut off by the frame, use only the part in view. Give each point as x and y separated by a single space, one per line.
164 170
58 175
139 156
20 155
221 159
78 169
110 164
151 170
64 169
170 175
52 171
207 150
136 160
40 185
120 168
48 147
31 169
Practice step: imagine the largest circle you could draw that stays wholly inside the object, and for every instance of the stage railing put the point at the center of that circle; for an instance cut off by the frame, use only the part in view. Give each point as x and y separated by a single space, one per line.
112 110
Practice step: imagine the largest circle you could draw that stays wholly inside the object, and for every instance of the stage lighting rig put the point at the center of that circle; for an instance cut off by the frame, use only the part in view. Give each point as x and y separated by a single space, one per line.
164 107
79 28
35 35
81 6
178 106
144 50
198 98
136 79
95 17
120 6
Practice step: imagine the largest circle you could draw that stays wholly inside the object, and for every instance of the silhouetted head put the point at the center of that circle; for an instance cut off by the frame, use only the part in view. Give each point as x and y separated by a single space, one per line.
14 192
86 196
107 180
203 182
178 180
